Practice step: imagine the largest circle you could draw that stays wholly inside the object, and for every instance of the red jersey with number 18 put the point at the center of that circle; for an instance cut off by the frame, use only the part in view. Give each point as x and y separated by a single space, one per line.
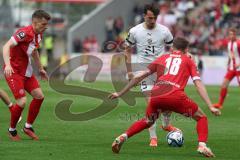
173 70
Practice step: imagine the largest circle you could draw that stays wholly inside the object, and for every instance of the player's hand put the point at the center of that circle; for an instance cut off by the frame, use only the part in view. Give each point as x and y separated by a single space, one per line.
43 74
114 95
8 71
215 111
130 76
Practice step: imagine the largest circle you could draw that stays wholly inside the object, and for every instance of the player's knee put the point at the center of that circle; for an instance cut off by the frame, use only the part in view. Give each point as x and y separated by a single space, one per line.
22 102
39 96
199 114
225 84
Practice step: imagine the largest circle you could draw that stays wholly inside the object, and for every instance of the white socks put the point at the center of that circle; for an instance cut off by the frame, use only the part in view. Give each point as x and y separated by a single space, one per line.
12 129
125 136
27 125
202 144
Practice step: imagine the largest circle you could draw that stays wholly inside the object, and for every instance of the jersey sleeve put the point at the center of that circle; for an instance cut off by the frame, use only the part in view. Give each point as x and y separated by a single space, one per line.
168 37
19 36
194 73
130 40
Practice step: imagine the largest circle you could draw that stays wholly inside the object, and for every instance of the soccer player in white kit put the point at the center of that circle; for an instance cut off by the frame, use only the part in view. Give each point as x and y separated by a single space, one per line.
150 40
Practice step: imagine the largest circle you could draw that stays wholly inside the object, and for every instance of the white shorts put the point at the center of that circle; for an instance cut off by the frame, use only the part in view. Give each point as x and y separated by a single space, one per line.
148 83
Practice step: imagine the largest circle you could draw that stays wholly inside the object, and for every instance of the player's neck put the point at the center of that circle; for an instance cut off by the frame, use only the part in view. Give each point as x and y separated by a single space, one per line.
175 51
34 29
146 27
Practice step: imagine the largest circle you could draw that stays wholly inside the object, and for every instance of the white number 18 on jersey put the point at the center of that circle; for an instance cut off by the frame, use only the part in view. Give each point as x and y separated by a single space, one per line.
173 65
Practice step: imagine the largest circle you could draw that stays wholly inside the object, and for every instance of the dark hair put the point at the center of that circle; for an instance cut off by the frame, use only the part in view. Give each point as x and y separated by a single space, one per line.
180 43
41 14
152 8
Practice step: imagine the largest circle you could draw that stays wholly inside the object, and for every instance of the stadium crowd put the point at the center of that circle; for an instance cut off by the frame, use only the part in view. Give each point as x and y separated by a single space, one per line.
205 23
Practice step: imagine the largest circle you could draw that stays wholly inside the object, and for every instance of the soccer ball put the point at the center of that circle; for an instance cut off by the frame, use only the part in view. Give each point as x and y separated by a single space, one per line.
175 139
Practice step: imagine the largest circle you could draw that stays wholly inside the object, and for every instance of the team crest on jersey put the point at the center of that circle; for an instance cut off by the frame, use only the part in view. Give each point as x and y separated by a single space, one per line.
21 35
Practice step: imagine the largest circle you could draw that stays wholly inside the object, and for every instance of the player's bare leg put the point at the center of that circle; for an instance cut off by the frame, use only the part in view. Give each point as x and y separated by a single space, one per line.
34 108
223 94
5 98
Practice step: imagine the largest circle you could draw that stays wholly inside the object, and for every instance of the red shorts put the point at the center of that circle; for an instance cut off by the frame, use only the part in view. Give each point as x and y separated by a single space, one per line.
231 74
177 102
18 84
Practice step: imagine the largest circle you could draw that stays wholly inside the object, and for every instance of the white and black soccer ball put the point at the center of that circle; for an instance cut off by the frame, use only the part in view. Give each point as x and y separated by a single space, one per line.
175 139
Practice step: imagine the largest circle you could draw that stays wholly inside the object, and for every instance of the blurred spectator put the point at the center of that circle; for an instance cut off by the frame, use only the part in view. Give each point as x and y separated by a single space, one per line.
202 22
118 25
109 24
137 14
77 45
63 68
166 16
49 44
93 44
86 45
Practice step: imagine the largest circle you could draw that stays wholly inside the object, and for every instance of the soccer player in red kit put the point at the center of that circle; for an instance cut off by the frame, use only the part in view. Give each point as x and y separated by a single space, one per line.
233 47
168 95
17 53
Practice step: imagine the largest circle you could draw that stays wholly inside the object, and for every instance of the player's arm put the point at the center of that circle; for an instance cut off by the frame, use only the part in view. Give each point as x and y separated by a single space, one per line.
130 42
6 57
136 79
128 60
201 88
204 95
37 61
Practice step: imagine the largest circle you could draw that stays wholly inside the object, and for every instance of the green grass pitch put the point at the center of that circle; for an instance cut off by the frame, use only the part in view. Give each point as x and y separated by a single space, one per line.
91 140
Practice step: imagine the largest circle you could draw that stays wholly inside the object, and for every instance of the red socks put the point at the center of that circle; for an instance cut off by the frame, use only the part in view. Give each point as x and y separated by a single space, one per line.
34 110
16 112
202 129
223 94
137 127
